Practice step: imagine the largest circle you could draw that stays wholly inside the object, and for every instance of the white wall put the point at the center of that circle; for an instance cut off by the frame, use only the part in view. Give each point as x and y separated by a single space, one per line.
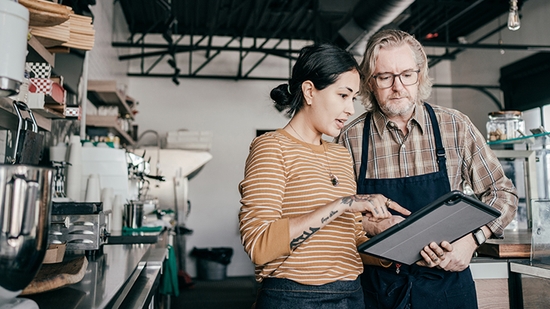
103 62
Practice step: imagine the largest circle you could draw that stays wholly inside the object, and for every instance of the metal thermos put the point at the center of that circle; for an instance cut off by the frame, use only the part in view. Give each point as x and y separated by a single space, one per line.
133 214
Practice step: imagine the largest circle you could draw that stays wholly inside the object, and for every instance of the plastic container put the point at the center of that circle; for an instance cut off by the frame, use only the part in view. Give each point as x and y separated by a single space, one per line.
503 125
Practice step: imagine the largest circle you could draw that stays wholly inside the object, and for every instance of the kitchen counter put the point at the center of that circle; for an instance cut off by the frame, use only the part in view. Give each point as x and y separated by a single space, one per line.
117 237
109 279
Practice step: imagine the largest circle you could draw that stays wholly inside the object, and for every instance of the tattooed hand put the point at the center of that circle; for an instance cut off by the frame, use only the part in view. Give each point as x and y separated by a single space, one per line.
373 206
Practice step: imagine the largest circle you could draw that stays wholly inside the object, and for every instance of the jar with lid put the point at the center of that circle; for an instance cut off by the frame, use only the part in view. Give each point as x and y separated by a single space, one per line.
504 125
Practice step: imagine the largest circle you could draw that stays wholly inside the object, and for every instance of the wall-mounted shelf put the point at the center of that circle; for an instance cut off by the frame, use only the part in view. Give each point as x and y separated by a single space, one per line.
527 139
110 123
106 93
8 119
39 53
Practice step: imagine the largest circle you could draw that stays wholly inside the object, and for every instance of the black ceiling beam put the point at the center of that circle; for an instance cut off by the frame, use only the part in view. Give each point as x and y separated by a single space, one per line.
459 50
541 48
445 56
186 48
232 77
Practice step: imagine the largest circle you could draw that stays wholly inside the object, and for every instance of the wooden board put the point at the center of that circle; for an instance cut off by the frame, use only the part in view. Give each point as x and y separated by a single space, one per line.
516 244
53 276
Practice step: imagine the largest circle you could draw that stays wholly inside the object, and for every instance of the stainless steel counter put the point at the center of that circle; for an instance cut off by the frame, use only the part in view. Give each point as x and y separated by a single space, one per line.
531 268
117 237
109 278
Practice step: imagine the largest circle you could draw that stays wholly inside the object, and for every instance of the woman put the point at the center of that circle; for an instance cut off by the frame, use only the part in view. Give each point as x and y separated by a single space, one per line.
300 221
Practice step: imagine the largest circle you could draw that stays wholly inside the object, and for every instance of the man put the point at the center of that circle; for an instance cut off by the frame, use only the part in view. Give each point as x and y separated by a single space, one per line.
413 153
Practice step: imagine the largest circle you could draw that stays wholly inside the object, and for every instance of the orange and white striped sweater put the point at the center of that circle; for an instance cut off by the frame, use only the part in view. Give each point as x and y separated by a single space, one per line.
285 177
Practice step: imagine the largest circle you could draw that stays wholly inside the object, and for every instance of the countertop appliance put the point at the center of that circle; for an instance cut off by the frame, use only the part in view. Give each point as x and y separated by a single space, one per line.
82 226
25 196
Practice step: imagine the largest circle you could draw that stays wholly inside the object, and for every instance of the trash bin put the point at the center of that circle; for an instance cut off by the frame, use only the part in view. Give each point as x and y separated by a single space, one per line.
212 262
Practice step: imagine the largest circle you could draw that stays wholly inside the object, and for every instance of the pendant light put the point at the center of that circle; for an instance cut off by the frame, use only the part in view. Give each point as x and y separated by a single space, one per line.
14 21
513 16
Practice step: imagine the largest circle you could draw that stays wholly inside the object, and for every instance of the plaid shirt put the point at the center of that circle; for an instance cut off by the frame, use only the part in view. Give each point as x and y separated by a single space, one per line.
469 158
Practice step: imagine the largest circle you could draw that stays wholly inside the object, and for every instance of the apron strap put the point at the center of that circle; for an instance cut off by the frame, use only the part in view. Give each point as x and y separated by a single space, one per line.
364 150
439 150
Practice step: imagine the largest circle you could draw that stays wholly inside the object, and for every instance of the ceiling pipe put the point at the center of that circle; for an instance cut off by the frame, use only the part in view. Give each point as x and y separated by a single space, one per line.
369 17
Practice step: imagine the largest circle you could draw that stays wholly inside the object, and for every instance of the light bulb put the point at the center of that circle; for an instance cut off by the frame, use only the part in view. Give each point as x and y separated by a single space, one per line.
513 16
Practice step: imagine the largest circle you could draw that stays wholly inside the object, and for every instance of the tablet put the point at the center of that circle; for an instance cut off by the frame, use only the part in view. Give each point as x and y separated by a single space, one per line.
450 217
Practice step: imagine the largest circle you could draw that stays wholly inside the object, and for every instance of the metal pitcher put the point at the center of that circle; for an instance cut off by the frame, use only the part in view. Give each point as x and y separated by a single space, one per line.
25 196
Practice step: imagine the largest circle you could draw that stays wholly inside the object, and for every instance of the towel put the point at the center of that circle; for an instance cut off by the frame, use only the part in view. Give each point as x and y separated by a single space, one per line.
169 283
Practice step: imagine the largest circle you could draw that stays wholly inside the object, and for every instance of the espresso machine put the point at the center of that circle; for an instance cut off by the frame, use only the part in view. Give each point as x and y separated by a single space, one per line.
139 173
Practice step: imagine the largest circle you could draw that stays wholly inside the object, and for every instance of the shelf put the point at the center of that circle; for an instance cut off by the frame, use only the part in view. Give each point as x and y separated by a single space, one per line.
109 122
8 119
106 93
528 139
47 112
39 53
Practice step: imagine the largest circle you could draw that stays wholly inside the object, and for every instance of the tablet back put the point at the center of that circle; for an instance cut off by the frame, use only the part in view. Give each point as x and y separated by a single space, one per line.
448 218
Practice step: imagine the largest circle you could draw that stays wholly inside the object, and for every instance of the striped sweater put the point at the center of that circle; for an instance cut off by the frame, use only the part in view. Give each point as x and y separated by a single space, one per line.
284 178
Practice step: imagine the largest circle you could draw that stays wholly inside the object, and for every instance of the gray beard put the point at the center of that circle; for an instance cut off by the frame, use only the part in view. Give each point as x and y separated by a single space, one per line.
391 110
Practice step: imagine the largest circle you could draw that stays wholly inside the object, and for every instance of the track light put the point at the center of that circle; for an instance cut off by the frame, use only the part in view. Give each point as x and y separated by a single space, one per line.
513 16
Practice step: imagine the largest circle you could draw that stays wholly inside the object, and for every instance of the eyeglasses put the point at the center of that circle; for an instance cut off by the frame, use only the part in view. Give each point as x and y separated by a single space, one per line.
386 80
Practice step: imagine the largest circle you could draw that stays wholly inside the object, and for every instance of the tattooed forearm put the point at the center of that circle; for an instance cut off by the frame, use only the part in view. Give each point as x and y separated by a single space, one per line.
300 239
330 215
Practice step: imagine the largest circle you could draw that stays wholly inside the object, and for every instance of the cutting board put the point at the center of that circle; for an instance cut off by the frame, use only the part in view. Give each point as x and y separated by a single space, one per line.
54 276
516 244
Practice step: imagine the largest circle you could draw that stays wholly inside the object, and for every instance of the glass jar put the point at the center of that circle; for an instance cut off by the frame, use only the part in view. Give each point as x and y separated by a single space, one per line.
504 125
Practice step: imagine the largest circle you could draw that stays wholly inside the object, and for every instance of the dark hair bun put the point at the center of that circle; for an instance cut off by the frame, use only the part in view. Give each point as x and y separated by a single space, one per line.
280 97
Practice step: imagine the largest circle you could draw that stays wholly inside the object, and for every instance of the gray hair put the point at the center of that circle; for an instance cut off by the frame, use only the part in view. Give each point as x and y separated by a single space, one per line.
393 38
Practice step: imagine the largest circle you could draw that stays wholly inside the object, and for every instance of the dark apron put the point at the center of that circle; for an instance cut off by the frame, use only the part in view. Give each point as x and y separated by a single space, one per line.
402 286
